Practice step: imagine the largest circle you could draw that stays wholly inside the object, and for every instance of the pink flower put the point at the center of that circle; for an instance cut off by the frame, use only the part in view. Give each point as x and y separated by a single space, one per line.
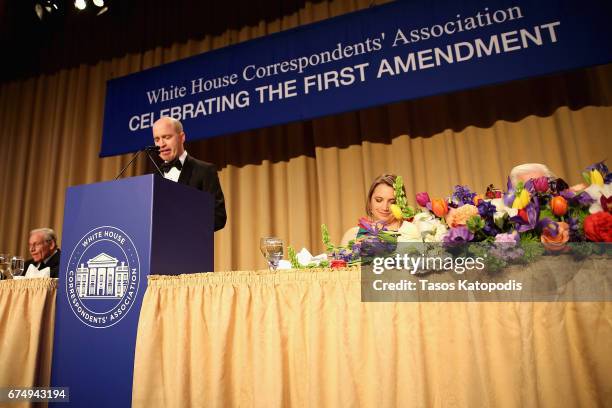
422 199
459 216
541 184
511 238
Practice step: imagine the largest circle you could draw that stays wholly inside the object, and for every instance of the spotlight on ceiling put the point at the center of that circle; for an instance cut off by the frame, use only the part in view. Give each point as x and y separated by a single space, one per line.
80 4
102 11
98 3
38 9
44 7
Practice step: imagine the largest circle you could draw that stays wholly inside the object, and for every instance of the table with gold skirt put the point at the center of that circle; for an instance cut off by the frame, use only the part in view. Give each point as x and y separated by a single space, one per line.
27 319
305 339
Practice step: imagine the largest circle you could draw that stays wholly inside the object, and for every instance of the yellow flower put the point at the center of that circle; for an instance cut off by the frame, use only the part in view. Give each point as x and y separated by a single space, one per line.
596 178
521 200
396 211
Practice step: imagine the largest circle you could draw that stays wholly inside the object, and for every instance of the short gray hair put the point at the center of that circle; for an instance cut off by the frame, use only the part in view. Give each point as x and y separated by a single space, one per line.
521 169
48 233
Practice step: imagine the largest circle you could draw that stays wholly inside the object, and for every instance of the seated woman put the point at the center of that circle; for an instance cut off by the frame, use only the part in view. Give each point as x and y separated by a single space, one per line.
380 197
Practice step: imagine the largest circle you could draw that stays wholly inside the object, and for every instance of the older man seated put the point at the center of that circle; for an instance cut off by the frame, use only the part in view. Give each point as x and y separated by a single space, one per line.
527 171
45 253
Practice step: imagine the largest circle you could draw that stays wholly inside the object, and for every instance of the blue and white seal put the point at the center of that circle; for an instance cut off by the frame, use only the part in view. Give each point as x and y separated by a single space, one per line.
102 277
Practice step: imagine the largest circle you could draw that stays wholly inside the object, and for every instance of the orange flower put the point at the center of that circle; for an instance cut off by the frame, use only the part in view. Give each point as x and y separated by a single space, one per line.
478 198
459 216
556 243
439 207
558 205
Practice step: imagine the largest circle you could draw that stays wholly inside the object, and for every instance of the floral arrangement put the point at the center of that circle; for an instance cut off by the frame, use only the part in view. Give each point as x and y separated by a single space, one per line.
529 219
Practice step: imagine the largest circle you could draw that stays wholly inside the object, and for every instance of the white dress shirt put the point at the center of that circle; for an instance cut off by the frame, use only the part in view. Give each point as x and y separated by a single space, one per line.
175 173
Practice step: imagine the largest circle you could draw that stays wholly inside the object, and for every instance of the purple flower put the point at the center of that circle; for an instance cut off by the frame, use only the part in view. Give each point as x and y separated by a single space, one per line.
423 199
458 235
541 184
574 230
509 198
510 238
371 228
462 195
531 213
583 199
506 246
557 185
567 194
486 209
600 167
529 186
550 225
490 229
506 252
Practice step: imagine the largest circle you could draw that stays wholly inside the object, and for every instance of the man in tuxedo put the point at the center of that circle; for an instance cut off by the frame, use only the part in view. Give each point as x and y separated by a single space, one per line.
45 253
180 167
527 171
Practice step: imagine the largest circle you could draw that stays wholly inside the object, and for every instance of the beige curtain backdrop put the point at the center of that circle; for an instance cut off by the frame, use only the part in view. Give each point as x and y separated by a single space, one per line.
305 339
27 319
287 180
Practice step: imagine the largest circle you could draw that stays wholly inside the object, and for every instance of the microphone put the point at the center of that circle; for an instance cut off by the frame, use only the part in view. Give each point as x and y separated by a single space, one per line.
148 150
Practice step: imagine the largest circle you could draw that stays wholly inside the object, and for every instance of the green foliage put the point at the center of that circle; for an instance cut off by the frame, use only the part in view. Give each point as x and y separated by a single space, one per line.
329 247
408 211
581 250
532 246
475 223
501 222
494 264
293 258
587 177
545 212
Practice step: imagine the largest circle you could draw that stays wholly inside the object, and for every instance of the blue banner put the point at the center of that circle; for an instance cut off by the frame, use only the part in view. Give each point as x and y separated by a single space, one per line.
389 53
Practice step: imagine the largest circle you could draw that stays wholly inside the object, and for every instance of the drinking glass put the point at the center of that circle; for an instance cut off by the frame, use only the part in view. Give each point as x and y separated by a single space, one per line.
272 250
17 266
4 266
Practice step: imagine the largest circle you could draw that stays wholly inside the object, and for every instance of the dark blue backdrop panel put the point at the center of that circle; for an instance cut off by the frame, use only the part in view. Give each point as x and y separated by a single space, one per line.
398 51
114 235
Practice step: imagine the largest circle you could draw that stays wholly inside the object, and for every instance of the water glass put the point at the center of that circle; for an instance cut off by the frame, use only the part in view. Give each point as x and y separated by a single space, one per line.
17 265
272 250
5 264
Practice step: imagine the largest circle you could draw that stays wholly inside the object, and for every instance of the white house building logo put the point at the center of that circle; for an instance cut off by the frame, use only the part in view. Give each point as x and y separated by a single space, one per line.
102 277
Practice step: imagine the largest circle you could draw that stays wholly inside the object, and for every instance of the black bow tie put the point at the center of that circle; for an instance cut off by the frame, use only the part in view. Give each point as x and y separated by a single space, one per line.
167 166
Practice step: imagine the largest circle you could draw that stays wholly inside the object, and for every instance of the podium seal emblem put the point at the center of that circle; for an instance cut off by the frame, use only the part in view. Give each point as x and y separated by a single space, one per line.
102 277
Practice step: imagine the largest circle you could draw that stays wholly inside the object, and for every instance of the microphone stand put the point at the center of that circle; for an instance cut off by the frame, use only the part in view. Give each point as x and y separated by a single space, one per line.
153 161
148 150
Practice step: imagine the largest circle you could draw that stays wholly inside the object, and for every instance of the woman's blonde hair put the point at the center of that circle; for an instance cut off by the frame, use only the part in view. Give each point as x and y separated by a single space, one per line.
387 179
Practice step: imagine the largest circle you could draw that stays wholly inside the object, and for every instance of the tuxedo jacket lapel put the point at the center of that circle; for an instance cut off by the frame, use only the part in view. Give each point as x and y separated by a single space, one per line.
186 171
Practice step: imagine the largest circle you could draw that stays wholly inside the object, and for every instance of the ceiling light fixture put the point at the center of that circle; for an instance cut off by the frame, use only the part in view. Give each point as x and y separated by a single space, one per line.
80 4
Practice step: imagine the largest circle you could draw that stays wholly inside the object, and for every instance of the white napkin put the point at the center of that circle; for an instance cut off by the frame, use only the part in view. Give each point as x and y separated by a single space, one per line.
284 264
305 258
33 272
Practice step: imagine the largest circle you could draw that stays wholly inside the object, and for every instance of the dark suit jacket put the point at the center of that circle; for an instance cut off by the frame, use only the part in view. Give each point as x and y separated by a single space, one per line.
203 176
53 263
